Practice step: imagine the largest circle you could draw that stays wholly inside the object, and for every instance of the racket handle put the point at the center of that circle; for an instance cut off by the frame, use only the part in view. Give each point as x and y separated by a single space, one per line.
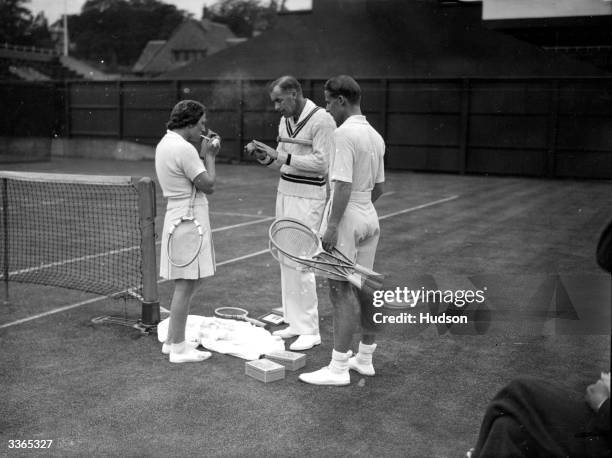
255 322
355 280
368 272
365 283
373 284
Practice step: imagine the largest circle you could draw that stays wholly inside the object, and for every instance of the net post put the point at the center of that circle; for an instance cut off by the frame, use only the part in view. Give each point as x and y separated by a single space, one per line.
5 241
147 210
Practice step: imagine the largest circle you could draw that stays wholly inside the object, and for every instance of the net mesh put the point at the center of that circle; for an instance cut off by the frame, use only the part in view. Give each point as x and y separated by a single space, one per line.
74 235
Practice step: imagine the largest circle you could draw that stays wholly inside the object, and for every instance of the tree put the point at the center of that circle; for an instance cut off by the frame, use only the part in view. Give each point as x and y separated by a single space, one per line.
116 31
19 27
244 17
15 19
38 32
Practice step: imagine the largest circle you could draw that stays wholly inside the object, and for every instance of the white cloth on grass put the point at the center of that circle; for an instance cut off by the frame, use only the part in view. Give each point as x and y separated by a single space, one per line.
230 337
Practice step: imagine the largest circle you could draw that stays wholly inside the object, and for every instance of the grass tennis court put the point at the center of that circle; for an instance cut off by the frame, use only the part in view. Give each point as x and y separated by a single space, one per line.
107 390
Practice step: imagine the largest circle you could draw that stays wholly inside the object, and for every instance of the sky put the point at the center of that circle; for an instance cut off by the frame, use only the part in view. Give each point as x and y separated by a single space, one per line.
53 9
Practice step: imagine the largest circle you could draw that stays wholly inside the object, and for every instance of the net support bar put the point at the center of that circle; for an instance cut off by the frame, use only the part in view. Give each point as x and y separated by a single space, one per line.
5 241
150 302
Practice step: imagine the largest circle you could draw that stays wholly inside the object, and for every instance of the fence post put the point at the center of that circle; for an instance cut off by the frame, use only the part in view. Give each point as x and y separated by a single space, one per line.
120 109
240 120
177 91
67 109
385 108
553 127
464 123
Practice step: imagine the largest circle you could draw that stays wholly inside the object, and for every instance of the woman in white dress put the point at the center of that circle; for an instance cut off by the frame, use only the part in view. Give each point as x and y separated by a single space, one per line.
179 170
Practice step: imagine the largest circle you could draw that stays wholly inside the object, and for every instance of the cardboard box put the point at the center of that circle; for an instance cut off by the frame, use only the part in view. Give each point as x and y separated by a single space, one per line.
272 318
289 359
264 370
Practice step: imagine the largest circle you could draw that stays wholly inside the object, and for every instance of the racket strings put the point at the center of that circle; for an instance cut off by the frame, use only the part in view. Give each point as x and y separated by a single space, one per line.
295 241
184 243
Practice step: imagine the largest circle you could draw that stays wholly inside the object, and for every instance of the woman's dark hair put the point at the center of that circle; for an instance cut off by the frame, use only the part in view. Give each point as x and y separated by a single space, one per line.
185 113
345 86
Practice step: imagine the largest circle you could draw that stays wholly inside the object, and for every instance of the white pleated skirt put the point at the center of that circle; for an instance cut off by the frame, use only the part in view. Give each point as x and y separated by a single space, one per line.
204 265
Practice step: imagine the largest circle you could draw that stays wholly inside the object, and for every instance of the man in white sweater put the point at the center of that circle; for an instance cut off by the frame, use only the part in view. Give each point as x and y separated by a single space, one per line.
302 192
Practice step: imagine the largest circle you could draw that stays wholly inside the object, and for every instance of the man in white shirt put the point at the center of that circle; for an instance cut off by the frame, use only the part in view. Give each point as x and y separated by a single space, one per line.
302 192
350 223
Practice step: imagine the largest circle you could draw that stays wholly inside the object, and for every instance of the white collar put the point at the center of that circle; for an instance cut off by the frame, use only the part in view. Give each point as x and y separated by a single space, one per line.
308 107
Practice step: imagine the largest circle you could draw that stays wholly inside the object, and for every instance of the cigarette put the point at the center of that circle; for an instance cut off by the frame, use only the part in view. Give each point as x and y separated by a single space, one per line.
293 140
213 140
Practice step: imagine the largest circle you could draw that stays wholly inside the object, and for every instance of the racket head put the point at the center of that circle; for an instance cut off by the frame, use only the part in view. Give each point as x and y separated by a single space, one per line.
287 261
231 313
237 313
293 238
185 239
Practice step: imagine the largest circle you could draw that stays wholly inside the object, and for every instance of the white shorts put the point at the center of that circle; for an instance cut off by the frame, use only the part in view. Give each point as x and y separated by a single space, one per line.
358 232
204 265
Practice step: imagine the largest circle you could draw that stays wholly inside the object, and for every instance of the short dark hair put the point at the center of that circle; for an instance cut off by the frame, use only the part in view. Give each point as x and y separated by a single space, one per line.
185 113
286 83
345 86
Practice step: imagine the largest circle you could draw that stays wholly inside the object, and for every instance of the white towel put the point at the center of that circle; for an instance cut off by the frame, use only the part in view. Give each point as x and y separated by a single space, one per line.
231 337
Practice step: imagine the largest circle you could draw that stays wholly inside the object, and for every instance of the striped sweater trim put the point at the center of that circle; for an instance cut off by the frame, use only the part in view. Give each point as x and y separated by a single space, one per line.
315 181
300 125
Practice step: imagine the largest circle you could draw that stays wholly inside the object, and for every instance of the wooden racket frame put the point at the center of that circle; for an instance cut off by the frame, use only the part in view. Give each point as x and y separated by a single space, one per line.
188 218
240 317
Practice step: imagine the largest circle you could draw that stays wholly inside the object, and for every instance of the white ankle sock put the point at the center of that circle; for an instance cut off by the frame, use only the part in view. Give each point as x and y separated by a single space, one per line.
364 356
177 347
339 362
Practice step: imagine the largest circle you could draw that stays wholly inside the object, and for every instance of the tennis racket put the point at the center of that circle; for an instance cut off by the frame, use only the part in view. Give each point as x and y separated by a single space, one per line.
292 239
185 238
236 313
301 265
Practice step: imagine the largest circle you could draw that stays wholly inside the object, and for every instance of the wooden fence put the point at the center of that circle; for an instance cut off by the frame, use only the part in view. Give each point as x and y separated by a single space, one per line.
520 126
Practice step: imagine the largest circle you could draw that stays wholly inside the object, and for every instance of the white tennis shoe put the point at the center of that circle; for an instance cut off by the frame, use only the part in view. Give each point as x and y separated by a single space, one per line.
305 342
189 355
286 333
325 376
190 344
362 368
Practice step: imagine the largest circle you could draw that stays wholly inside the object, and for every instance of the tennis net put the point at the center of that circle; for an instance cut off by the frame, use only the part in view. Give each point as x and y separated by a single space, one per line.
86 232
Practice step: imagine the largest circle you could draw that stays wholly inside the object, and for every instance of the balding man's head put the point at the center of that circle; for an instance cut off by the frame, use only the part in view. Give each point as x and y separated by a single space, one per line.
286 83
286 95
